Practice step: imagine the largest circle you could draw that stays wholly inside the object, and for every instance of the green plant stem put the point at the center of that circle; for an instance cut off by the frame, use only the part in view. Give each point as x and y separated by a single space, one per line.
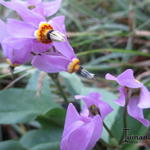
107 129
124 121
55 79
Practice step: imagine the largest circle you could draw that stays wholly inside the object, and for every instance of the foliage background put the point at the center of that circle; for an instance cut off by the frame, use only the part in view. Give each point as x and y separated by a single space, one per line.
108 36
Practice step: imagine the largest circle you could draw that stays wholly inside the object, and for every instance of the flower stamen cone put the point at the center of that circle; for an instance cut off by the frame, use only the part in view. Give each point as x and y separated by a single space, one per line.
42 32
85 74
74 65
56 36
46 34
11 64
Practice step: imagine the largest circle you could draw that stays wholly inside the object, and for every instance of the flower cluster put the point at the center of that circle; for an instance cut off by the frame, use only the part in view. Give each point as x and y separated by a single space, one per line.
36 39
44 43
82 131
133 94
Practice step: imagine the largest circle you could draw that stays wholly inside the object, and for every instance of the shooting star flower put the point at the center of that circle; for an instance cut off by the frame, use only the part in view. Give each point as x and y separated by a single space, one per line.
33 7
139 97
80 132
95 105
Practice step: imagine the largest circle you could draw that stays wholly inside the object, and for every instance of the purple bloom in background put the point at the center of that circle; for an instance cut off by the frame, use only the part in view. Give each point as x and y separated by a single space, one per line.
92 102
139 98
18 47
81 132
38 7
39 37
34 30
15 53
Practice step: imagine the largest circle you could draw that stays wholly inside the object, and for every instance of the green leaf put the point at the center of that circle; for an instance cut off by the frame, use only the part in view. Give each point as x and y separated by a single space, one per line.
39 77
54 117
11 145
136 128
72 82
48 146
41 136
19 105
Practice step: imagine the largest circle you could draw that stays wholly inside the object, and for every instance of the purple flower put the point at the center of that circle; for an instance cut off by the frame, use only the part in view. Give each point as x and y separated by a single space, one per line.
39 37
139 96
15 53
23 43
35 32
80 132
38 7
60 58
94 103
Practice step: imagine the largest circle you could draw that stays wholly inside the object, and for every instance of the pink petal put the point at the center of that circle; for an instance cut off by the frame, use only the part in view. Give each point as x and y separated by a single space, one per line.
16 50
50 8
3 31
127 79
98 127
136 112
108 76
20 29
144 101
51 64
26 14
80 138
122 98
72 116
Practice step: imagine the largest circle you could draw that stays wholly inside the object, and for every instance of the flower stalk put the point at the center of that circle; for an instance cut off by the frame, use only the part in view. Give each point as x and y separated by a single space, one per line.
125 115
107 129
55 79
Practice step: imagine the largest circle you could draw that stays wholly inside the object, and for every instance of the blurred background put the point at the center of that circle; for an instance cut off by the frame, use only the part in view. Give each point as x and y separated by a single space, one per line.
108 36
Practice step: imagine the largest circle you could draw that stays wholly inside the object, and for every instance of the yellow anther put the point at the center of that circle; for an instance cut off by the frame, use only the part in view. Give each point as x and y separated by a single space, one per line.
137 81
31 7
74 65
11 64
42 33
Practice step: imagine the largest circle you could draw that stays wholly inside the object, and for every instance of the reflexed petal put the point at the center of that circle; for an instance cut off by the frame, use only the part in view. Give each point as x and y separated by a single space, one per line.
33 2
94 98
58 23
65 49
122 98
98 126
136 112
80 138
39 47
127 79
20 29
86 99
26 14
51 64
72 116
3 31
104 108
17 53
50 8
144 101
90 99
67 131
108 76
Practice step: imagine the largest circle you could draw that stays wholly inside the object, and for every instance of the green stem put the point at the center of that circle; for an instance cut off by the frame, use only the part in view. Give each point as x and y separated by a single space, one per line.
125 118
55 79
107 129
